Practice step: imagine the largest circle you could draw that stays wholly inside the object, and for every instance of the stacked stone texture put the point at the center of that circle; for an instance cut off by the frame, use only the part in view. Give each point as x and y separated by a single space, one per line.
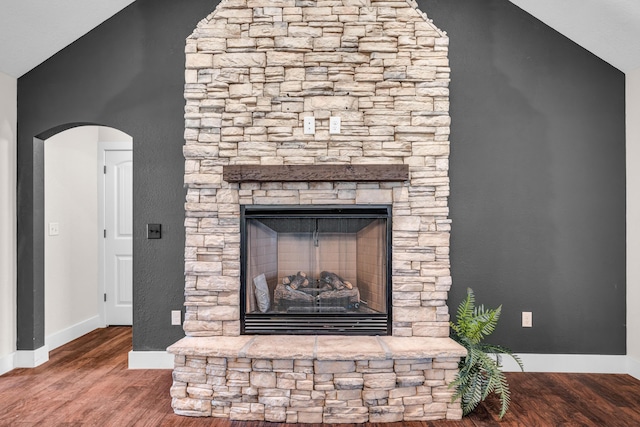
315 391
254 70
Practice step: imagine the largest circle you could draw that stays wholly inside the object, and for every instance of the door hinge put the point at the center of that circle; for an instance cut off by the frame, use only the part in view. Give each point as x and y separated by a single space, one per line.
104 170
105 297
105 233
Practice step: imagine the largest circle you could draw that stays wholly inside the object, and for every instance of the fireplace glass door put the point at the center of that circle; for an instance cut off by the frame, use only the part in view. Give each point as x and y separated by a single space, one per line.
315 270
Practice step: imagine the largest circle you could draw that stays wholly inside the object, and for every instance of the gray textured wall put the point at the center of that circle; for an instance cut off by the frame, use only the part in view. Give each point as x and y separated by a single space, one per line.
537 179
129 74
537 168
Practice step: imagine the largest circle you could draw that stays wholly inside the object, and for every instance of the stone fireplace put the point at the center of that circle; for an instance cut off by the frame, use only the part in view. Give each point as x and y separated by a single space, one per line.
298 106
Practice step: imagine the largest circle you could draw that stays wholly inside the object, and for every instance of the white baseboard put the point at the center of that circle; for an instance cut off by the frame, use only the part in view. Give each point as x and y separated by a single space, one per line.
69 334
605 364
31 358
575 363
7 363
633 367
150 360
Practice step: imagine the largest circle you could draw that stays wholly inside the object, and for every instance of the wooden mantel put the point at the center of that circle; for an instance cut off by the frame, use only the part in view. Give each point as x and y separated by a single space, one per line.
302 173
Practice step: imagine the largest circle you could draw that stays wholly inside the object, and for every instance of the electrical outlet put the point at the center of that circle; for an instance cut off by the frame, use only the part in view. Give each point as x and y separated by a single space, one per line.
54 229
334 124
176 317
527 319
309 125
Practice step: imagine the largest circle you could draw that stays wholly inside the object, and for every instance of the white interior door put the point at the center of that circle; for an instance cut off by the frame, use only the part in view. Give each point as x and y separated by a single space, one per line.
118 237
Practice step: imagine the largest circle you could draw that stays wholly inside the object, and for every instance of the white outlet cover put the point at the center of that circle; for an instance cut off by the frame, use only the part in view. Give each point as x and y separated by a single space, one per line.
309 125
334 124
176 317
527 319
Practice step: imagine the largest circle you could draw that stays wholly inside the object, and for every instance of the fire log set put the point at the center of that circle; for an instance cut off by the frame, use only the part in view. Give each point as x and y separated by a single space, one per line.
327 282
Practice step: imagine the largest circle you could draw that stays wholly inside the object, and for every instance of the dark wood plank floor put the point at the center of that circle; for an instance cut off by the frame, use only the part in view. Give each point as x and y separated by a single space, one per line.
87 383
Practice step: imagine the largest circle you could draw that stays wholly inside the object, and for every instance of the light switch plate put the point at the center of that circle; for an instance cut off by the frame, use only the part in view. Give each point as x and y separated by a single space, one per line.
54 229
154 231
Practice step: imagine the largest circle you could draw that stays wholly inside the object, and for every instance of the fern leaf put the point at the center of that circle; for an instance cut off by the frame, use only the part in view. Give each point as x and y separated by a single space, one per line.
498 349
502 391
465 311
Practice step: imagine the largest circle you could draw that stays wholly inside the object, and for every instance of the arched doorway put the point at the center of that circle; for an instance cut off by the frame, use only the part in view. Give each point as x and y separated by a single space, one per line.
75 314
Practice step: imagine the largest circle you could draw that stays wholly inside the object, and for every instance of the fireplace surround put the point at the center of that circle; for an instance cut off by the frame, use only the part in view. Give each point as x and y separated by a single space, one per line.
256 71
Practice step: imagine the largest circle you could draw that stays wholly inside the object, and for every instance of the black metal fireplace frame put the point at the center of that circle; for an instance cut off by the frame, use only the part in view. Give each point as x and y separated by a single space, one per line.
315 323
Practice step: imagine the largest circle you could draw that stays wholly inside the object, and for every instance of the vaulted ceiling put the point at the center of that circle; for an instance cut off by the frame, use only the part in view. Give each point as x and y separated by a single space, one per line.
31 31
610 29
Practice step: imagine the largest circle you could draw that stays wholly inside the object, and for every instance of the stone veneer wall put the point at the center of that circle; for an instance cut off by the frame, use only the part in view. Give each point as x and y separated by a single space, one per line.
316 379
254 70
312 391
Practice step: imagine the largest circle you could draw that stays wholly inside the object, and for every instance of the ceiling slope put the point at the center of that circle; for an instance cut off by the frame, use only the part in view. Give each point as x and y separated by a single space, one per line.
610 29
31 31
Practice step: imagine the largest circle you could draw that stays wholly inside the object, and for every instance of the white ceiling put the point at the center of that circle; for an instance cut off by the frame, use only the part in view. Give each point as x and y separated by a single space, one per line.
31 31
608 28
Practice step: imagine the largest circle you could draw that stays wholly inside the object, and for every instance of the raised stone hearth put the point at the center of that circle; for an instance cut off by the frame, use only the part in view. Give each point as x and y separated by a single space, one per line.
316 379
255 69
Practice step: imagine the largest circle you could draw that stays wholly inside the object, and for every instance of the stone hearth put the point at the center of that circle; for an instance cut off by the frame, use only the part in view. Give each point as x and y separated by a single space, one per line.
254 70
316 379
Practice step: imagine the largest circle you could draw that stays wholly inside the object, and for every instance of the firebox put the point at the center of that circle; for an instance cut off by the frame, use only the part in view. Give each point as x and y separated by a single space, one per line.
315 270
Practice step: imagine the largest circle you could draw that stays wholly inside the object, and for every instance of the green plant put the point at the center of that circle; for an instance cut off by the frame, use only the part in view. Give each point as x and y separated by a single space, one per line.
479 372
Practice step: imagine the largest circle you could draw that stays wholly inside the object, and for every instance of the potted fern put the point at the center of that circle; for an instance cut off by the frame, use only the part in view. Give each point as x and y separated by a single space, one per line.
479 372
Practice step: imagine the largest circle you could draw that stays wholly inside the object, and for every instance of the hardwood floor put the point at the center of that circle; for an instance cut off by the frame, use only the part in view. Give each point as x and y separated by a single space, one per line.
87 383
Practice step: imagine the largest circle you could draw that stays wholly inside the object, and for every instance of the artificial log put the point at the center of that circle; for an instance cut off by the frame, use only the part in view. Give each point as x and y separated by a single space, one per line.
336 282
296 281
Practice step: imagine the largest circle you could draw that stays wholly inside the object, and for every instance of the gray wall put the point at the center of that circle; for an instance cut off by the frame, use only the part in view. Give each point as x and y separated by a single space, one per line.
537 168
128 74
537 179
